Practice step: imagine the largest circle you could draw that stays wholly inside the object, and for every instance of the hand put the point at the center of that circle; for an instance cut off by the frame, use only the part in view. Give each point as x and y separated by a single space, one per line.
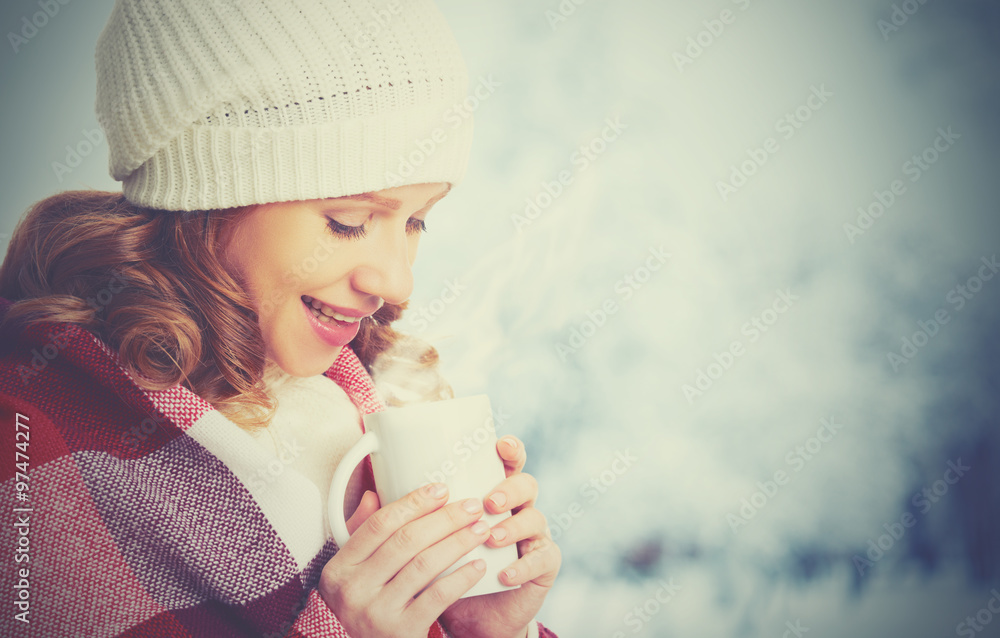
507 613
396 551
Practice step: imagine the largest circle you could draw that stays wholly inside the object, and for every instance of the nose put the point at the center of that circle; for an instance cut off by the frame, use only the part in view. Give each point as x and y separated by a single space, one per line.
386 273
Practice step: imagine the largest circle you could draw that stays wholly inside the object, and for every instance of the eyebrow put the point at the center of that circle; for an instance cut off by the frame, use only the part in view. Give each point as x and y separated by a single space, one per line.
388 202
435 200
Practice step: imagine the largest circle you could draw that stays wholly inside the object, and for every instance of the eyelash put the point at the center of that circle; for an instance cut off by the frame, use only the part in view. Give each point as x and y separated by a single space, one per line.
356 232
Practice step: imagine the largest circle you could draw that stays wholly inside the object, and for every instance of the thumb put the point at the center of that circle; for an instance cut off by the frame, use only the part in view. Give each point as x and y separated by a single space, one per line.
368 506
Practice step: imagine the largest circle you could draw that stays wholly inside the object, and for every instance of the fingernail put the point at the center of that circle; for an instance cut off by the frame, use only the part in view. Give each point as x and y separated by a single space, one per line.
437 490
480 527
499 498
471 505
511 442
510 573
479 564
498 533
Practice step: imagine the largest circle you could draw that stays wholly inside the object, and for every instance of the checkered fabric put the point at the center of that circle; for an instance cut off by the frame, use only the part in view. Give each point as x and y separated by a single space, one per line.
134 512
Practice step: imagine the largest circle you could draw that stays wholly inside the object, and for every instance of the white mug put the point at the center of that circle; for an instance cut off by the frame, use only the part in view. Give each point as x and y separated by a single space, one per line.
451 442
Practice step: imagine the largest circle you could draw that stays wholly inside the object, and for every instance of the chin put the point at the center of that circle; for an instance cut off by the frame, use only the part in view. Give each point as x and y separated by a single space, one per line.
295 353
299 367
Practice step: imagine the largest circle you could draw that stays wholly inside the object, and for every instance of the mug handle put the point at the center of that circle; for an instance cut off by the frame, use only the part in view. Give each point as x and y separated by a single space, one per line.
367 444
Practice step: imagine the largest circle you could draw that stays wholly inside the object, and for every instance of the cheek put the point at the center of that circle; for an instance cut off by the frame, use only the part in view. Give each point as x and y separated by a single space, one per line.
260 276
277 263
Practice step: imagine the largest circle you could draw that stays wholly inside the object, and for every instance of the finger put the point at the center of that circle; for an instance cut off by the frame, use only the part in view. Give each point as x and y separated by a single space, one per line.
432 602
383 523
512 452
369 505
539 564
423 568
407 543
514 492
528 523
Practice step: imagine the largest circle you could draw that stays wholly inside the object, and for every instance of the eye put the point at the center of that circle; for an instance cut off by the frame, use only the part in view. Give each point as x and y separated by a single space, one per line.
416 226
347 232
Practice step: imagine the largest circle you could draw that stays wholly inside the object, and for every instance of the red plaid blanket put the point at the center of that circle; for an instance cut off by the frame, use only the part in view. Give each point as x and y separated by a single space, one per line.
132 513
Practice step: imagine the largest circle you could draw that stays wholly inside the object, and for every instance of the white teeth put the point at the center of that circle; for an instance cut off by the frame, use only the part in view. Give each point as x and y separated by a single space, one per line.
340 317
319 315
324 313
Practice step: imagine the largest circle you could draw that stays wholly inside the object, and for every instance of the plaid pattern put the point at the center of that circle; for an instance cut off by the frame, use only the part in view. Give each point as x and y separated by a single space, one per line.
141 516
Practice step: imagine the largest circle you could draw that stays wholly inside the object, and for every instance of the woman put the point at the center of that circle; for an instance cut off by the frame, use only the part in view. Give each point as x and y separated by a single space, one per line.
183 364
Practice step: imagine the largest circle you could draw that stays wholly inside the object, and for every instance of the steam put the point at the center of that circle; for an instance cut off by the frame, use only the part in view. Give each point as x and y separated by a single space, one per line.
404 376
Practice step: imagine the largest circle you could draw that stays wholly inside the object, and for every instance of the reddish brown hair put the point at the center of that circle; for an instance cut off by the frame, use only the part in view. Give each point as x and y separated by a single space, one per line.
151 285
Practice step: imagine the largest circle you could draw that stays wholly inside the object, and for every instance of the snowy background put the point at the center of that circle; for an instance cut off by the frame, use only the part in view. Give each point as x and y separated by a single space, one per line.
692 491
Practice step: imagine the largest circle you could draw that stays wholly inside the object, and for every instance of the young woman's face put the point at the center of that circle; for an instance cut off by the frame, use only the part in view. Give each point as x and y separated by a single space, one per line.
347 255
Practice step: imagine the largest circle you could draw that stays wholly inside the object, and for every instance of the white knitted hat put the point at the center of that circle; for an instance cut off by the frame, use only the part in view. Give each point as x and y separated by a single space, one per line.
219 103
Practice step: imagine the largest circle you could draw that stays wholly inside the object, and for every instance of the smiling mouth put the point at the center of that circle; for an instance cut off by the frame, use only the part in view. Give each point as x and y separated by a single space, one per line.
325 313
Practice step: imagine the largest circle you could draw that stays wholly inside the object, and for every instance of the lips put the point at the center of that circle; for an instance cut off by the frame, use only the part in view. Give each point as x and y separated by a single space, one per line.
324 310
330 329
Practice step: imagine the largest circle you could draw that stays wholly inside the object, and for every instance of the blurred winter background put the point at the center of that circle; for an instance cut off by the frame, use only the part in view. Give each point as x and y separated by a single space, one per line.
657 184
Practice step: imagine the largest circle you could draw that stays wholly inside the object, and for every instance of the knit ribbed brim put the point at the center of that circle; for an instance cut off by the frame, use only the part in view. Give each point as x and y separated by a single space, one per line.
218 103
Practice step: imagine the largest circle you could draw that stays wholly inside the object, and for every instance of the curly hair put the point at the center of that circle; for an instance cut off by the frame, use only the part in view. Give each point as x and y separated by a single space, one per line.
151 285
